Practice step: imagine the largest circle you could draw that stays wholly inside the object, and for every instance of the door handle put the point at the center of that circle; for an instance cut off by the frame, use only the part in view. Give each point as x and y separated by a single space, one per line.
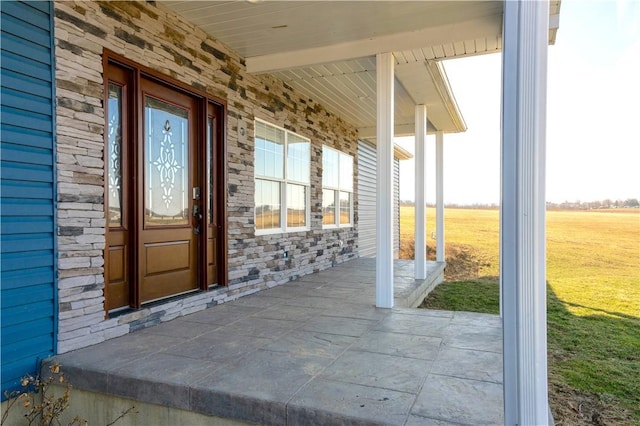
197 219
196 213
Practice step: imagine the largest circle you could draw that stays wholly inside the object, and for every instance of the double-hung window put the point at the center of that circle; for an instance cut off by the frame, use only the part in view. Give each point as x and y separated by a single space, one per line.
282 176
337 188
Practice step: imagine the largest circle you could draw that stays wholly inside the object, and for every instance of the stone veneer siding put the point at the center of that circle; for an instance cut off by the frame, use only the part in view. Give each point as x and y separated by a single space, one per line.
157 38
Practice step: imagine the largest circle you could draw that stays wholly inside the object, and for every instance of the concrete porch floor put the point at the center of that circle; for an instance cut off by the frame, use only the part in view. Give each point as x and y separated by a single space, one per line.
311 352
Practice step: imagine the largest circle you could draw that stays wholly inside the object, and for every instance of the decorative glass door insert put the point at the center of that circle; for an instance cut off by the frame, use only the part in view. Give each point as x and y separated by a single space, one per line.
166 134
115 155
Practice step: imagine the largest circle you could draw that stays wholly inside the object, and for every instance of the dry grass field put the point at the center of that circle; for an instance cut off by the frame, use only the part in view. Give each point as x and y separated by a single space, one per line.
593 274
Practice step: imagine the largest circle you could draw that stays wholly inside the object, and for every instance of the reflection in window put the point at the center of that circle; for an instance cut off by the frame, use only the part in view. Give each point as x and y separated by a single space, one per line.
330 167
345 208
114 111
296 206
282 178
337 188
346 172
298 159
267 204
328 207
269 152
210 171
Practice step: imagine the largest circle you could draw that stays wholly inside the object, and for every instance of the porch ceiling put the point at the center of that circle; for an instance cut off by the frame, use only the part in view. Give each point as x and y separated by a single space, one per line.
327 50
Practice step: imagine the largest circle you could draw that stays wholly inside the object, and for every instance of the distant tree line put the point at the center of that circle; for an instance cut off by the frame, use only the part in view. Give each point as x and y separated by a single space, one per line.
455 205
598 204
566 205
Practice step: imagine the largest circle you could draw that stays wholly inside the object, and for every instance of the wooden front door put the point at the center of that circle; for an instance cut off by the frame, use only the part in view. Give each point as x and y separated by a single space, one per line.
169 215
165 188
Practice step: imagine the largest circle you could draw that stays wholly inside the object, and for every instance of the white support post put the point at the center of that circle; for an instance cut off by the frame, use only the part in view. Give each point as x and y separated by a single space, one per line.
522 215
384 200
420 256
439 198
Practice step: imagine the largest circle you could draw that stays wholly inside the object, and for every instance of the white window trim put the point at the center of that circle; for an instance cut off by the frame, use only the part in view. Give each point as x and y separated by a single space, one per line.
336 192
283 188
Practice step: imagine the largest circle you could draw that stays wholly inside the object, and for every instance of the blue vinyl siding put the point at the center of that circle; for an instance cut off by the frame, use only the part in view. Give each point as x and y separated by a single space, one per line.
28 302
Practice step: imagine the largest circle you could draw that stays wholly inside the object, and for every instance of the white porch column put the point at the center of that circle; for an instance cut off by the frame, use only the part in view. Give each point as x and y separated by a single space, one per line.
420 256
384 199
522 215
439 198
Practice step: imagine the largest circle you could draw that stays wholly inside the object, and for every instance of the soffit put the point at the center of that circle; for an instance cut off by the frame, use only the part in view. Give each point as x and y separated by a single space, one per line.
326 50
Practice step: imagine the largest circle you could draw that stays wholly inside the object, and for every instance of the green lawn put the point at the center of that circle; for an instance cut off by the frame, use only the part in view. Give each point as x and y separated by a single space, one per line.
593 309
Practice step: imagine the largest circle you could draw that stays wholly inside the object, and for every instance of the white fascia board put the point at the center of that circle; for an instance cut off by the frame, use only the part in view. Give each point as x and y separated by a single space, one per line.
466 30
439 77
399 153
554 24
427 84
400 130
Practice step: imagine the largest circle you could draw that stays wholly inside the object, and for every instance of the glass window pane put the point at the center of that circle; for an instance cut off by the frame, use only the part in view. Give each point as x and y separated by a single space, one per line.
296 206
328 207
330 159
345 208
298 159
114 111
267 204
210 171
269 151
166 135
346 172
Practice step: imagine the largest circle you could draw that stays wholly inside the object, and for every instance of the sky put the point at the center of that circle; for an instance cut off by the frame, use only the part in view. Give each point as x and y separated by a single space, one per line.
593 114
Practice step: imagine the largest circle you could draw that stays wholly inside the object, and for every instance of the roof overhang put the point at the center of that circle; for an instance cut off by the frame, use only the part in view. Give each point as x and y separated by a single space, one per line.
400 153
326 50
